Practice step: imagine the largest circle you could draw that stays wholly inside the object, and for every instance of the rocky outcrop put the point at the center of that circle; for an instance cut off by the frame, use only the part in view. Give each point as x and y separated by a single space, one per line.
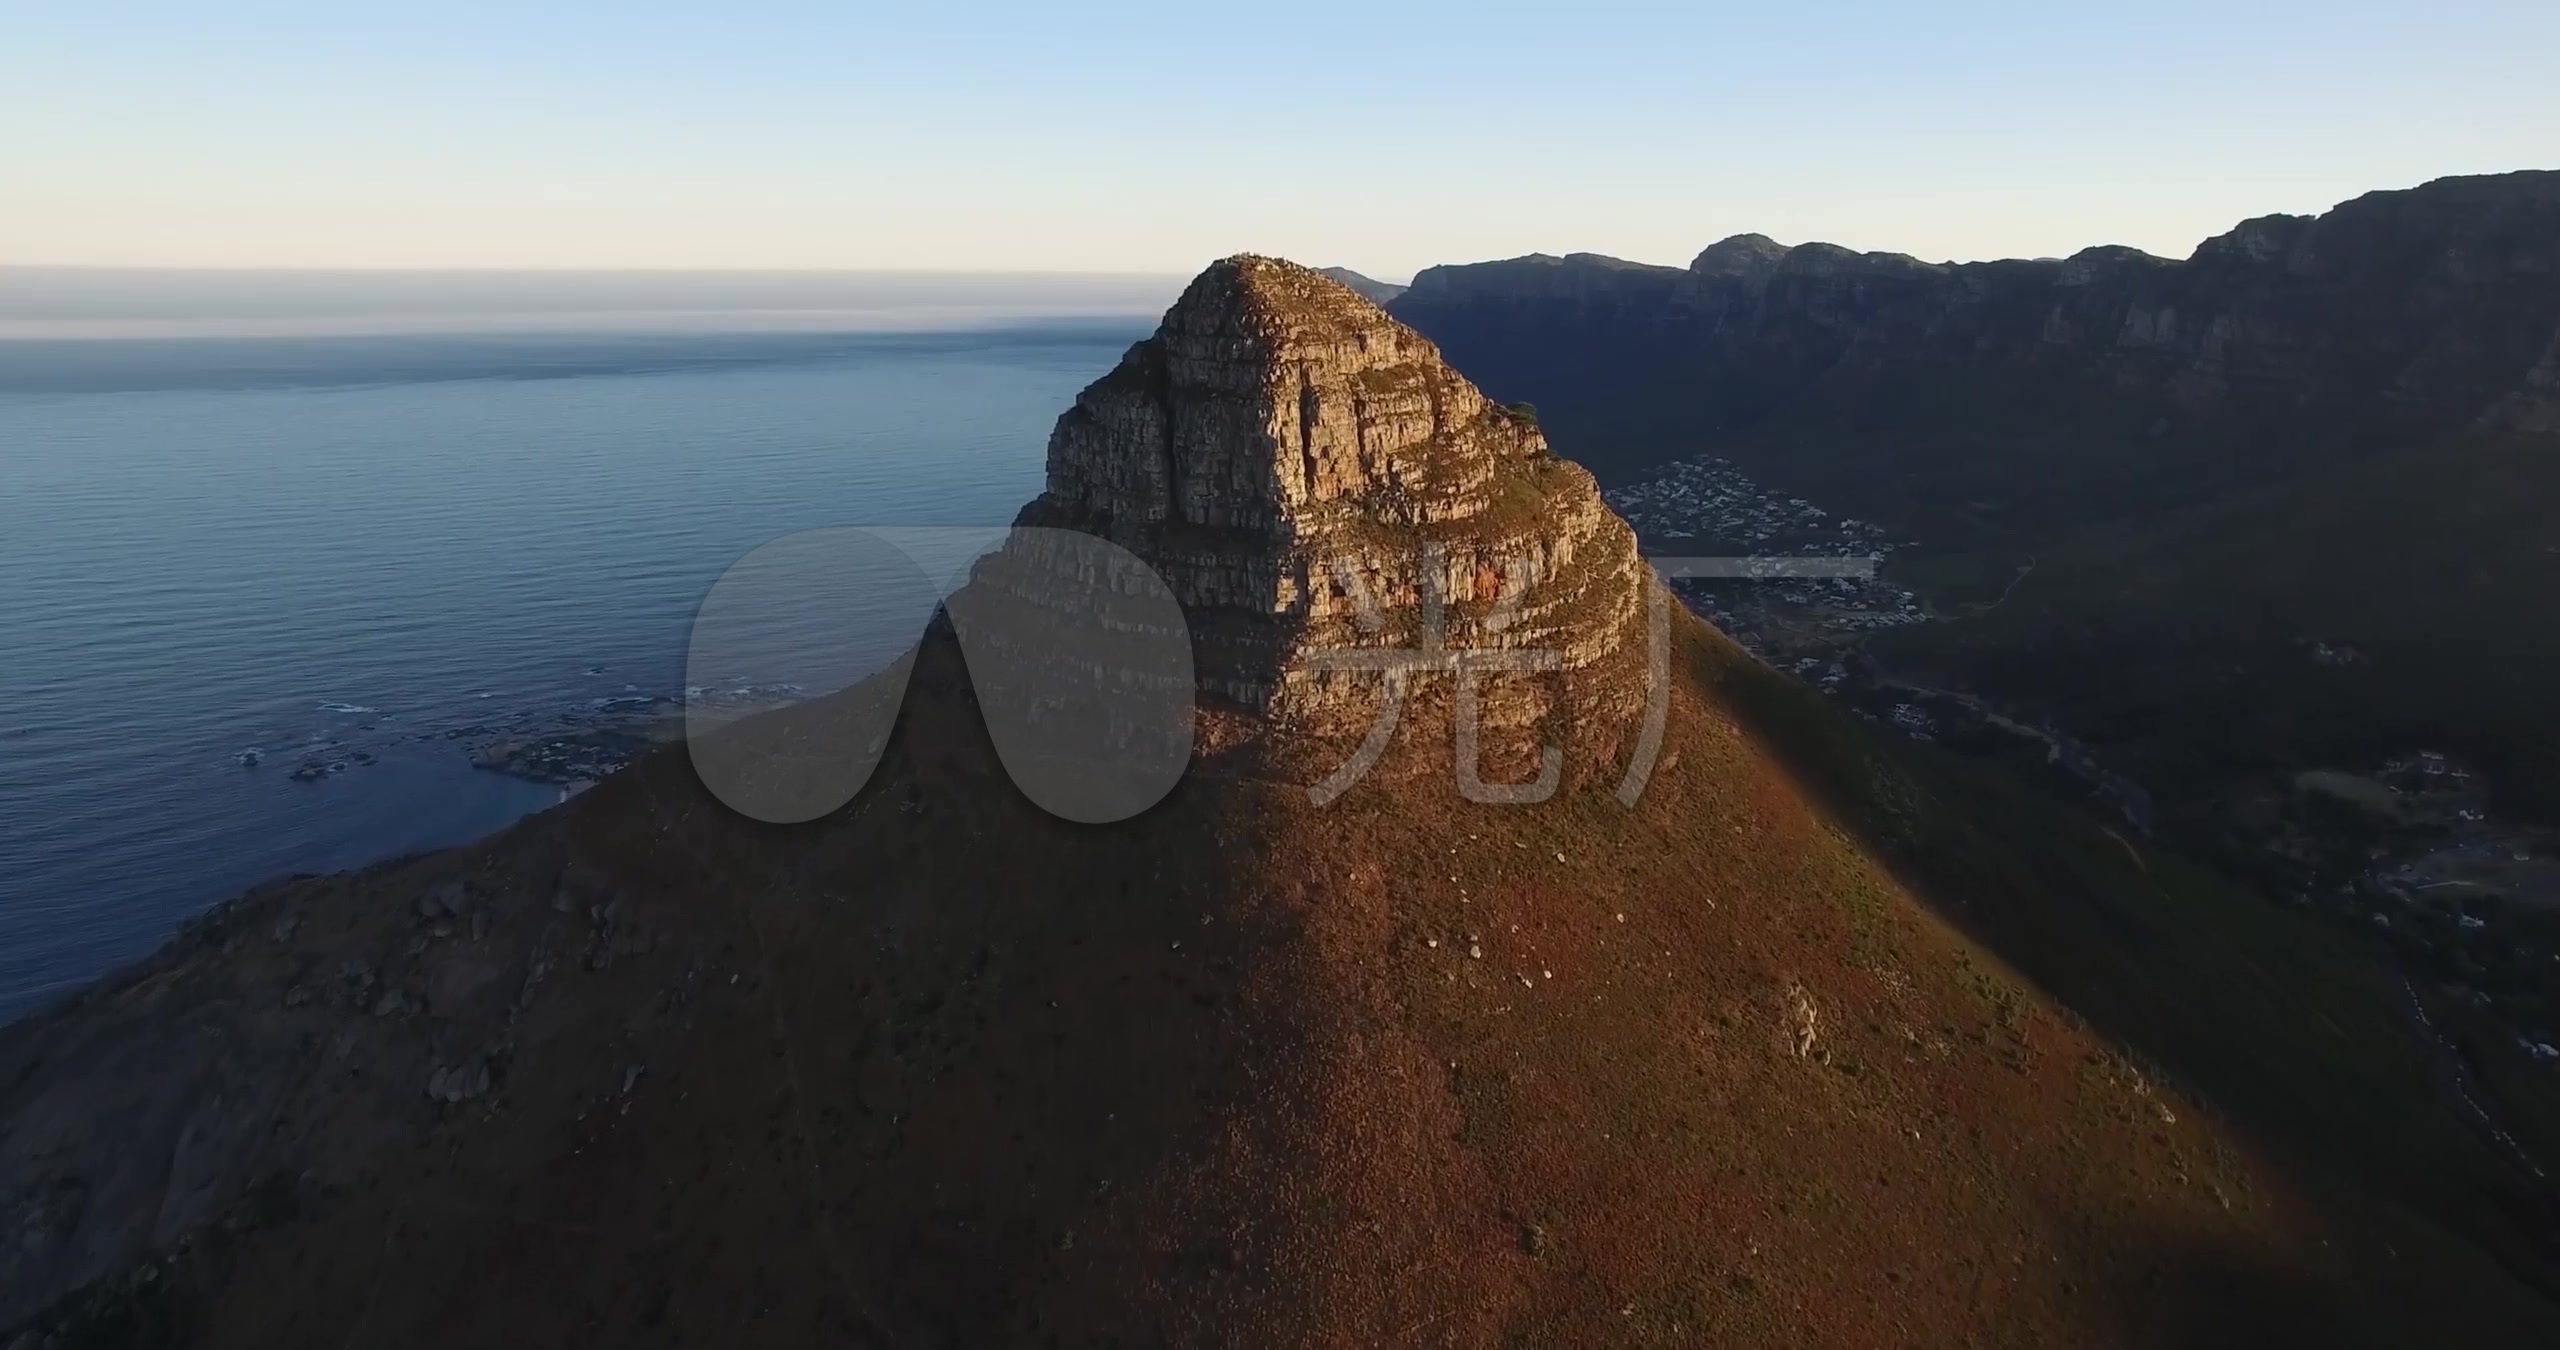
1327 499
2094 380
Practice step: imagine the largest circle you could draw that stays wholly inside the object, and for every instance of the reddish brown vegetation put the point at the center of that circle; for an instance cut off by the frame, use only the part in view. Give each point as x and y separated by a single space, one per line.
944 1070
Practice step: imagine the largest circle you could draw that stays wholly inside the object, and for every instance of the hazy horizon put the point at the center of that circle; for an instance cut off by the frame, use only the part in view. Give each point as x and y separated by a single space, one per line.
53 302
1152 137
19 269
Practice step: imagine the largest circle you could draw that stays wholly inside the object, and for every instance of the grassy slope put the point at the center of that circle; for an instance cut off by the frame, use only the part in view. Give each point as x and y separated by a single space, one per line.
2293 1032
944 1070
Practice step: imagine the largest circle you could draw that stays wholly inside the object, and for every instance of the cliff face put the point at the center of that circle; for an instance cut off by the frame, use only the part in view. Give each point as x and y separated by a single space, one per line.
1313 482
2393 317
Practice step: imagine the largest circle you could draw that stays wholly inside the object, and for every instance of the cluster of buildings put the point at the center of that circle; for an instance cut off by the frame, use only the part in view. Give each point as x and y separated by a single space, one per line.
2472 902
1705 507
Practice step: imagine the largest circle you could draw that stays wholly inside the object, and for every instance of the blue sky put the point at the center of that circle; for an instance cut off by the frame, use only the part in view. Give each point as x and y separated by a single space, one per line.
1152 137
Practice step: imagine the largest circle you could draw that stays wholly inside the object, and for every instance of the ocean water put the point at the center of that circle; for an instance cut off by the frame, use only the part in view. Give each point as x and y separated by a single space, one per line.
369 550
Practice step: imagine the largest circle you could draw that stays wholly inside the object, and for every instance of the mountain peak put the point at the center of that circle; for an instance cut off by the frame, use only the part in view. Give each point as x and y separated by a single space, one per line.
1309 477
1740 255
1267 298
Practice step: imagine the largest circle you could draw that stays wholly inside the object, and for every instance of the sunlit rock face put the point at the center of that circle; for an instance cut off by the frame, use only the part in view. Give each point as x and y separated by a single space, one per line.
1310 479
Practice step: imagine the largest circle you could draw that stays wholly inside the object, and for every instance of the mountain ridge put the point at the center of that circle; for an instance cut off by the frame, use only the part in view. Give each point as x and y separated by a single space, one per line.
2324 426
1368 288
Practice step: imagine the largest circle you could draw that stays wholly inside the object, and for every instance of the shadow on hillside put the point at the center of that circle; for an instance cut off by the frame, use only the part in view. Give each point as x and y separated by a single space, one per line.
2278 1025
2200 1294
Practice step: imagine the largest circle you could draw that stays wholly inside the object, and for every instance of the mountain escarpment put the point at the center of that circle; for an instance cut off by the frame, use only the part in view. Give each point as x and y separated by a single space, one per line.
2010 398
2316 432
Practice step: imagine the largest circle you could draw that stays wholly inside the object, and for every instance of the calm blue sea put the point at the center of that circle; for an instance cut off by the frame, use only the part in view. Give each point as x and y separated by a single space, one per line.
319 546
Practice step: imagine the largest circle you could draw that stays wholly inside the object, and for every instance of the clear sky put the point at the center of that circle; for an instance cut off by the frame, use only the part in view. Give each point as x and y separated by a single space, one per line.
1152 137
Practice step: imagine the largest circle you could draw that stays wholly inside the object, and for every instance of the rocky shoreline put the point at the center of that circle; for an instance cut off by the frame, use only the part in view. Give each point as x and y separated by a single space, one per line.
572 747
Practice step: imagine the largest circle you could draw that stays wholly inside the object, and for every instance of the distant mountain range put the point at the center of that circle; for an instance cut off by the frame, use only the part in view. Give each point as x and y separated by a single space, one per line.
2335 430
1379 291
2050 391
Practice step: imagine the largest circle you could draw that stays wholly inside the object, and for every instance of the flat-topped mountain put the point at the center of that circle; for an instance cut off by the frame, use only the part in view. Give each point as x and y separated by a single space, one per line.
1277 1061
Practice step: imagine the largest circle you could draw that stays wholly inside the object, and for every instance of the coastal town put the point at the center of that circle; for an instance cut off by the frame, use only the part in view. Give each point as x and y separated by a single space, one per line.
2411 849
1705 507
1810 620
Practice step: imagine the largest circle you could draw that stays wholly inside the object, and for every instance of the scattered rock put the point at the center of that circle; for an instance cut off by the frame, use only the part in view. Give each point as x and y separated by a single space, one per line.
1807 1020
448 897
459 1083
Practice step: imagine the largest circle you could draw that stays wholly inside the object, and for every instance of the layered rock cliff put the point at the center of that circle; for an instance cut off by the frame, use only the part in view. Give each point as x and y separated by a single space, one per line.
1332 506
